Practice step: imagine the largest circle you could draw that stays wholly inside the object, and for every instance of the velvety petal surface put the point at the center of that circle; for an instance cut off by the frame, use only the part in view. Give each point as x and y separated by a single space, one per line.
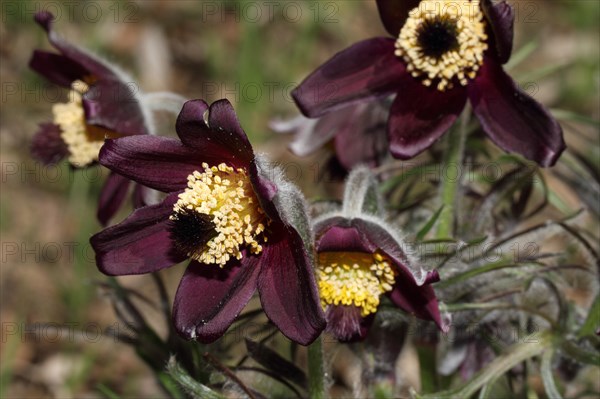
365 70
157 162
209 298
57 68
420 115
513 119
140 244
418 300
501 17
111 197
287 287
393 13
221 138
92 64
113 104
362 139
47 146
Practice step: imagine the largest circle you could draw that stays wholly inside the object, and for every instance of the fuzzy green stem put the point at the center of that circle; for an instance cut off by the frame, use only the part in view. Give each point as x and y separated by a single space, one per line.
316 370
453 160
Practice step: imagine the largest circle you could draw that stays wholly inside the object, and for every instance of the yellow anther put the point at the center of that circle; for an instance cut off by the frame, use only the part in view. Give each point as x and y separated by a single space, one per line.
460 63
354 279
211 193
82 141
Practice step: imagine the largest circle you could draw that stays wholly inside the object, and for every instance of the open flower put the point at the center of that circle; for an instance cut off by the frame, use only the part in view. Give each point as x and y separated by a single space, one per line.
360 258
358 262
442 53
102 103
235 223
357 132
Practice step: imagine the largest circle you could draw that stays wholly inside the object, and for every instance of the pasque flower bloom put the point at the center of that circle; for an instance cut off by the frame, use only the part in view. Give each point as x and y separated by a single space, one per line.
442 53
222 211
102 103
360 258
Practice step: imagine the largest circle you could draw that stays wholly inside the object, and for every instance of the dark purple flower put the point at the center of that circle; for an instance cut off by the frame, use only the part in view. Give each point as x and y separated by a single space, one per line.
442 54
102 103
223 213
358 262
357 133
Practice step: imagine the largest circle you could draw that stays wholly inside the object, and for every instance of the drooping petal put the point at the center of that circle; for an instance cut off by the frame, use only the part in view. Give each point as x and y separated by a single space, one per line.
418 300
92 64
338 235
362 139
513 119
287 287
420 115
140 244
222 138
501 17
57 68
346 323
393 13
209 298
111 197
113 104
157 162
47 146
365 70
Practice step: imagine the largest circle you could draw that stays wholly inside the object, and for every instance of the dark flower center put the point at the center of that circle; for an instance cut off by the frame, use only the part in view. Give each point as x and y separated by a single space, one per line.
191 230
437 36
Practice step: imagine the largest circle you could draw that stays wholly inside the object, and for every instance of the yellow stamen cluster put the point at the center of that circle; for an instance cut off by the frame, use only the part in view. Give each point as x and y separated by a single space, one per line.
83 149
354 279
225 194
461 63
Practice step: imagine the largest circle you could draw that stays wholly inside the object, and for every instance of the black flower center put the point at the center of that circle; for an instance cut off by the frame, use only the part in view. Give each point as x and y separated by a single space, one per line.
191 230
438 35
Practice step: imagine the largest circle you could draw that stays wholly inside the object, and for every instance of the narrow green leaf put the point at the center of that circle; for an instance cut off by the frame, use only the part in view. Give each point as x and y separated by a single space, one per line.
592 323
547 377
423 232
188 384
521 55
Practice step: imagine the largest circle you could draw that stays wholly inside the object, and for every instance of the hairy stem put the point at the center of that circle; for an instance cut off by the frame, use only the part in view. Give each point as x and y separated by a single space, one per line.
316 370
453 160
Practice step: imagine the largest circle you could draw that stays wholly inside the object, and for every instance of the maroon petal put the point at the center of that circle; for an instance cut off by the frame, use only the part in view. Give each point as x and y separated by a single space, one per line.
157 162
222 138
112 196
365 70
113 104
140 244
287 287
501 17
338 234
420 115
209 298
94 66
140 195
393 13
418 300
57 68
512 119
47 146
346 323
361 139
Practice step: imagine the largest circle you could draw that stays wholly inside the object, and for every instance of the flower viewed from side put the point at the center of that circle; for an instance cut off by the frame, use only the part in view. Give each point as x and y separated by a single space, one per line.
358 262
101 104
239 227
441 54
357 133
359 259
